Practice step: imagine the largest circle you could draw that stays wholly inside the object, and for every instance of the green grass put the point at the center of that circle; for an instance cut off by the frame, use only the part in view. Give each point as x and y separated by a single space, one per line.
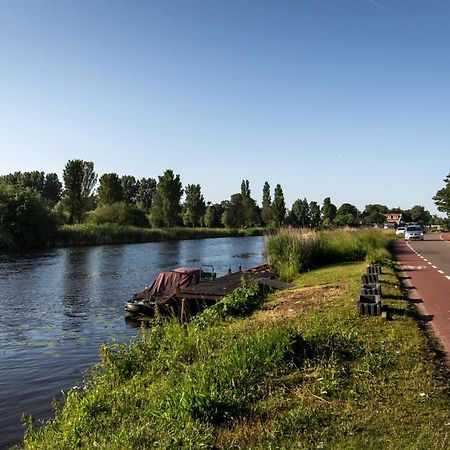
324 378
291 251
99 234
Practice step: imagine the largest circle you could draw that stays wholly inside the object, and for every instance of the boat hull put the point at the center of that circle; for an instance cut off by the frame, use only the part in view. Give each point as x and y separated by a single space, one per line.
140 307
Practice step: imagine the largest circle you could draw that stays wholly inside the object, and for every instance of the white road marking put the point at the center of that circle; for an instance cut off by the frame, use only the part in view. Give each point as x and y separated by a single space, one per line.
413 267
434 267
440 271
448 277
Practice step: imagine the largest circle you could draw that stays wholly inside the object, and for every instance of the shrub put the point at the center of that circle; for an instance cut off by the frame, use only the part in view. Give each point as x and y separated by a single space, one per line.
120 214
241 302
25 219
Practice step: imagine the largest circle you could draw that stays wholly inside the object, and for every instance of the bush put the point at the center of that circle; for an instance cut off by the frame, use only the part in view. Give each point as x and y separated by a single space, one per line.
241 302
25 219
120 214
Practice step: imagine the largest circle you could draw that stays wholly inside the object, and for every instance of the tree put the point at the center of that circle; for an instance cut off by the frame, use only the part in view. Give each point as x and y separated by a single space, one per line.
442 197
79 182
194 206
145 193
89 179
250 211
130 189
373 213
234 213
227 219
48 185
420 215
300 214
329 212
245 188
166 206
13 179
25 219
266 211
241 210
34 180
278 206
213 215
110 190
347 214
156 211
52 189
314 214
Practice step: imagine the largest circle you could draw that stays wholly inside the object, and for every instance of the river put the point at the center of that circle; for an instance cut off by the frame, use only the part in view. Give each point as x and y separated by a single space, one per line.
58 306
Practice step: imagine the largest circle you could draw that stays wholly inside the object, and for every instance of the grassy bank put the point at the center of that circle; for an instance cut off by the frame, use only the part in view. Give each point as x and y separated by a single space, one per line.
292 250
302 371
98 234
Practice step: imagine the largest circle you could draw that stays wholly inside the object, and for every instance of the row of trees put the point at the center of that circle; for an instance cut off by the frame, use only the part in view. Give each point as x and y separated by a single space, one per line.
82 196
158 202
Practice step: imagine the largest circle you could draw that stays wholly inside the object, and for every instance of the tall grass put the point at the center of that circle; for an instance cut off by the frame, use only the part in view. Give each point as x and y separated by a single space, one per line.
292 251
171 389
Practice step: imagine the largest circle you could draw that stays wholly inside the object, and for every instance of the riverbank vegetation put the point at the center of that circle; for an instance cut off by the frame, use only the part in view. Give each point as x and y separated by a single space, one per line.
124 201
303 371
110 233
291 251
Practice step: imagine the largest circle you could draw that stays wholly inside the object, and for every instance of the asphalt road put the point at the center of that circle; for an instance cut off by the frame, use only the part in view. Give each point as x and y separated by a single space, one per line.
426 265
435 252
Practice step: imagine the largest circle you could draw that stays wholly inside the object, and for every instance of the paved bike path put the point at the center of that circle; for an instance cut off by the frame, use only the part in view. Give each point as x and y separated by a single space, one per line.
431 287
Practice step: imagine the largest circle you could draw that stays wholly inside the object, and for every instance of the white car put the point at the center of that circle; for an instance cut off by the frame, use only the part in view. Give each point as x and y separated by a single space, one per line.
413 232
400 230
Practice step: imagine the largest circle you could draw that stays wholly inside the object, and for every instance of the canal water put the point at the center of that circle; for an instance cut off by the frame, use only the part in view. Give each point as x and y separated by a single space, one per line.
58 306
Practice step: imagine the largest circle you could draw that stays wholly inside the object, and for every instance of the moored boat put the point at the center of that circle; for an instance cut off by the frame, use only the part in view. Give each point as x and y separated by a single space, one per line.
165 287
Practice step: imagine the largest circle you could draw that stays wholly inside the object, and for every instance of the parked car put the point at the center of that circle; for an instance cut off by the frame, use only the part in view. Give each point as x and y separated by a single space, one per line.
400 230
413 232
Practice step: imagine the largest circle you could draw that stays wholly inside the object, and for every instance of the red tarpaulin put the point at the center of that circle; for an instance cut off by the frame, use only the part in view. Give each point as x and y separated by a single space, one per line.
166 283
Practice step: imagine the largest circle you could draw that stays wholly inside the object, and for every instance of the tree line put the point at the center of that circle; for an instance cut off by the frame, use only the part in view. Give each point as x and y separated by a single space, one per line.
33 204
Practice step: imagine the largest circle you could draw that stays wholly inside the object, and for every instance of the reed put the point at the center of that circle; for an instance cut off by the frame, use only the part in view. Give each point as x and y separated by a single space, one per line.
292 251
108 233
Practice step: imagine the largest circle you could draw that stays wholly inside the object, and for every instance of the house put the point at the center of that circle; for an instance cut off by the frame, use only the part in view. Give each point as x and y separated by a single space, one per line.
394 218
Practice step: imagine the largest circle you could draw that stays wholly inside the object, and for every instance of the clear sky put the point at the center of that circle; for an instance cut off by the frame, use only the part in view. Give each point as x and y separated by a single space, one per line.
342 98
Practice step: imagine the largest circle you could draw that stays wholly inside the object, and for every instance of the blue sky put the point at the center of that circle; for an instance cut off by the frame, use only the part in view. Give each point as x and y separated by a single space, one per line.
342 98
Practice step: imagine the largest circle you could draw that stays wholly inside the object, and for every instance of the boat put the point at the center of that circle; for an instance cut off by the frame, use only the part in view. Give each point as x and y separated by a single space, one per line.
165 287
136 307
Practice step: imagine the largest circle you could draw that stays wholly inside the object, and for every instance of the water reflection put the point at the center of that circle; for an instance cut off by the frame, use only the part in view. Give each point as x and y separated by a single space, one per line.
78 272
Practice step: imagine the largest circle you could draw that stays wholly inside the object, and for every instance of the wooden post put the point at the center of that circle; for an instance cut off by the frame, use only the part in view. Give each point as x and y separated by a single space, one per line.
183 308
